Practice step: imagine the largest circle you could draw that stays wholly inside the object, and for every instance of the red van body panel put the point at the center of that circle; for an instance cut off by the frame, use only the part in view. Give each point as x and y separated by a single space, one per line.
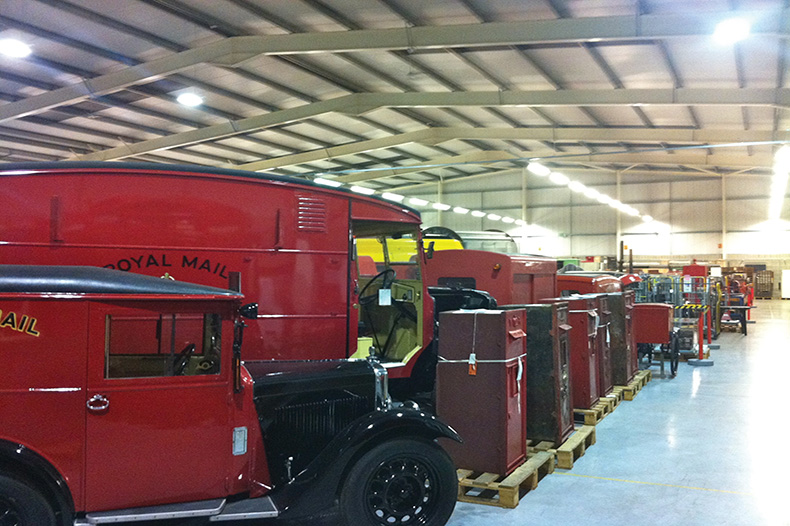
290 241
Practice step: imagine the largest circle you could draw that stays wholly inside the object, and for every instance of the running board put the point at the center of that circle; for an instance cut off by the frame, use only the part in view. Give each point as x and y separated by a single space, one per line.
260 508
216 510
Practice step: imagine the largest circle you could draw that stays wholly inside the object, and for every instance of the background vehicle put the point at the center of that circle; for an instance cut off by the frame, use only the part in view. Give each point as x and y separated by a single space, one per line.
125 398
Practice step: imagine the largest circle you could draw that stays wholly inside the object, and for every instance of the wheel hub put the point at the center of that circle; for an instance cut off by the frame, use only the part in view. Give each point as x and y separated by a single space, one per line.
401 492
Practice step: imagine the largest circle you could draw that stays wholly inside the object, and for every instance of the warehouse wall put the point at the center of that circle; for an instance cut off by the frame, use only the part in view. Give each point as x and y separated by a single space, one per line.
704 216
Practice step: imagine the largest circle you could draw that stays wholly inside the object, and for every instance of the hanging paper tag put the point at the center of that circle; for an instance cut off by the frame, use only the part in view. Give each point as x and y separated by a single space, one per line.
385 297
472 365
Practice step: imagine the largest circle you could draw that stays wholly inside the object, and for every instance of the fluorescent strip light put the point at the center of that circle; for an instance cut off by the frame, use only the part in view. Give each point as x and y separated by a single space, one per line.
327 182
460 210
417 201
478 213
577 187
190 99
441 206
539 169
521 222
392 197
647 219
494 217
508 220
558 178
731 31
363 190
14 48
614 203
592 193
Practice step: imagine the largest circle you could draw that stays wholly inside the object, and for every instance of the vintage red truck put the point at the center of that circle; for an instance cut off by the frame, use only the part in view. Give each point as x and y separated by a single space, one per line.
292 242
124 398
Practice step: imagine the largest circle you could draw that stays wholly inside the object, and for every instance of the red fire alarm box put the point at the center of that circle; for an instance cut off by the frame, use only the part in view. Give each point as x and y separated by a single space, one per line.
481 387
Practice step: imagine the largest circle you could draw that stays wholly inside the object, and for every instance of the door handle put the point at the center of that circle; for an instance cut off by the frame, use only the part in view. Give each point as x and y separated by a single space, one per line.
98 403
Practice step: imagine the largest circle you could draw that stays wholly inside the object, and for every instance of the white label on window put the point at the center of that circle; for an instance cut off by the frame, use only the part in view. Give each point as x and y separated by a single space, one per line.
239 441
385 297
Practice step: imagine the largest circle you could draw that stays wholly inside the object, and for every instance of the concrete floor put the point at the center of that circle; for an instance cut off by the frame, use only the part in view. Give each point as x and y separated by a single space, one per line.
703 448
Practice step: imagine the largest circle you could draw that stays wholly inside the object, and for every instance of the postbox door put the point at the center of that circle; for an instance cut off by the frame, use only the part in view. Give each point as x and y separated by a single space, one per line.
158 407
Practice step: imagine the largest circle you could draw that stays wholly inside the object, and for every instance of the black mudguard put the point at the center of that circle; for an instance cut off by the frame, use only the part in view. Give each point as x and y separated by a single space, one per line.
316 488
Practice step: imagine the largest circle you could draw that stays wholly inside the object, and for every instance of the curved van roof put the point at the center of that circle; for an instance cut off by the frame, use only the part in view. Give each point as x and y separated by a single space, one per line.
32 168
51 279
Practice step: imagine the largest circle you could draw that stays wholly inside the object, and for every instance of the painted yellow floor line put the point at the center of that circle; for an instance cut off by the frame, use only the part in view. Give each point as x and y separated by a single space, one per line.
653 483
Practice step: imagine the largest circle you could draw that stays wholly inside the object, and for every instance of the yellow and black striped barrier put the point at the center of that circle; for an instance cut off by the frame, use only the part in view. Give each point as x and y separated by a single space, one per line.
690 310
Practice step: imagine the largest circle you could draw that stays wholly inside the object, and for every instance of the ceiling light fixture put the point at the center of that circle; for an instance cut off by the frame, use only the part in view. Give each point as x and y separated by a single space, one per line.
577 187
363 190
647 219
392 197
460 210
591 193
731 31
494 217
521 222
508 220
478 213
441 206
558 178
538 169
417 201
14 48
327 182
190 99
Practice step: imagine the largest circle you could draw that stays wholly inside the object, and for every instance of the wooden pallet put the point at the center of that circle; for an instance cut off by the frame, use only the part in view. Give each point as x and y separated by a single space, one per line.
596 413
505 491
570 450
640 380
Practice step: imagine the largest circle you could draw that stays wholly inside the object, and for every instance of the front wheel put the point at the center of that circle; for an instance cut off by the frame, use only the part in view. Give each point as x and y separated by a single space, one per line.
402 482
22 505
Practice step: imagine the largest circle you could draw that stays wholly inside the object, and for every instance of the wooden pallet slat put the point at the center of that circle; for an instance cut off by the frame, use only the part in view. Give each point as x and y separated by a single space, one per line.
637 384
596 413
488 489
575 447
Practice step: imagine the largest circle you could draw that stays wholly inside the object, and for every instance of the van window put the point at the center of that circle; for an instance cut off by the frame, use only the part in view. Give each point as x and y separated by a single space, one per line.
141 345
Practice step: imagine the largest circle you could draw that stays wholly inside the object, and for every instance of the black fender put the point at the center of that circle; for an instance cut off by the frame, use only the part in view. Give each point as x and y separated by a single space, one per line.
316 488
16 459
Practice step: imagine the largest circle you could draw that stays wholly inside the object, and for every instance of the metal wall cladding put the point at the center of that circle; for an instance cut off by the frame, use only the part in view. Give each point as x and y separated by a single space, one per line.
623 363
486 404
583 319
548 373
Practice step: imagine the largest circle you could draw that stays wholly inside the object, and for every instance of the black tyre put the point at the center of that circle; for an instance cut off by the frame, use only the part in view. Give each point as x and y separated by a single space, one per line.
22 505
404 482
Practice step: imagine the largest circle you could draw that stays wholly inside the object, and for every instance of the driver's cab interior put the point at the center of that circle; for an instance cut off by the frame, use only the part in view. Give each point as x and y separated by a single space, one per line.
142 344
388 290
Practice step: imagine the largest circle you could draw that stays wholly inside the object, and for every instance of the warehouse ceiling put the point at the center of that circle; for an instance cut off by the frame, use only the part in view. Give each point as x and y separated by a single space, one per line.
394 93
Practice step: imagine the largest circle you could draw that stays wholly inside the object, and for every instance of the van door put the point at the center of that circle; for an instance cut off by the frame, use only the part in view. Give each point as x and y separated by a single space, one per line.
158 406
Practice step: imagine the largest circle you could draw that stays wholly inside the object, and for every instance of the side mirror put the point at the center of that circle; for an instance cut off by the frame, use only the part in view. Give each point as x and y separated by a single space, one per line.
249 311
431 249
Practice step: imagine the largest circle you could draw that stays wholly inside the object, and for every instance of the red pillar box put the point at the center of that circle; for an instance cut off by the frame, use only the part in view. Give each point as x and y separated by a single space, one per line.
604 341
481 387
549 389
583 319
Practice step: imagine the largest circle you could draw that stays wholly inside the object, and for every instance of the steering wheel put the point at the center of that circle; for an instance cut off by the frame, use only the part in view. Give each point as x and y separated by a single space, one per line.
181 361
387 276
